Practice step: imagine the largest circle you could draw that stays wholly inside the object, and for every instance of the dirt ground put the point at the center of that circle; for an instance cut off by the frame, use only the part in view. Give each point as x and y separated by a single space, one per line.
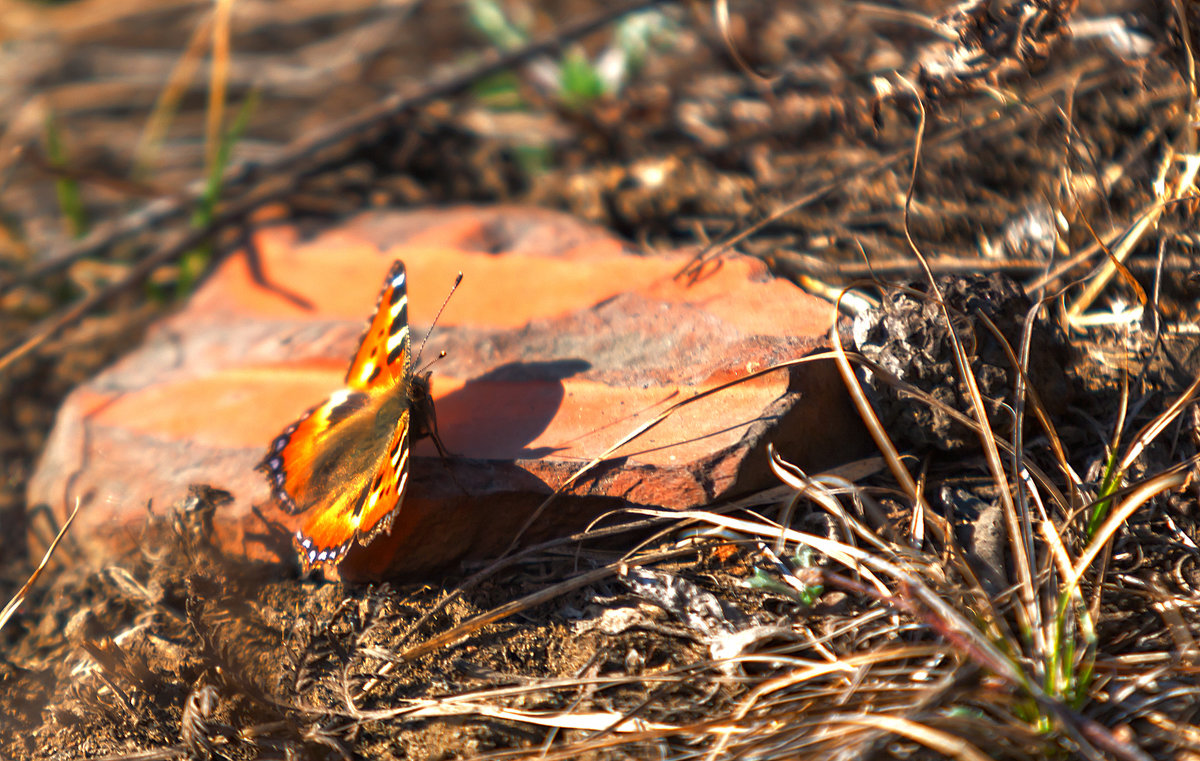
1053 140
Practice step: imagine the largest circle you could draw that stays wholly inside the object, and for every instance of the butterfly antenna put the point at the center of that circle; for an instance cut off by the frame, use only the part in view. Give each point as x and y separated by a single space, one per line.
441 355
442 308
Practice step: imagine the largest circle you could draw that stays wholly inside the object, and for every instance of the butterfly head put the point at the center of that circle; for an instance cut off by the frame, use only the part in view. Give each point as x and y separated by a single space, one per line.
422 413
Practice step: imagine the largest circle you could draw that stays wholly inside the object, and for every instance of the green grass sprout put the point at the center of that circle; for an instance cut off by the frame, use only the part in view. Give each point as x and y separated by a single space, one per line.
70 200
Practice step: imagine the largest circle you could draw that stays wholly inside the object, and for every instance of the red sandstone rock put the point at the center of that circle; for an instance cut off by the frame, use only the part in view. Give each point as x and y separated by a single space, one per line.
558 343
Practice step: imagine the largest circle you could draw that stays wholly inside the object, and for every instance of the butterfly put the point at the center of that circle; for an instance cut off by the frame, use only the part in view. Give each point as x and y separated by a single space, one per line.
344 464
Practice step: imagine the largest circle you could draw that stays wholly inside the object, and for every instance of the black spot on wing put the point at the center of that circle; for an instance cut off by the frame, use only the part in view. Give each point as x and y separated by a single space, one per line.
397 278
360 501
400 321
352 404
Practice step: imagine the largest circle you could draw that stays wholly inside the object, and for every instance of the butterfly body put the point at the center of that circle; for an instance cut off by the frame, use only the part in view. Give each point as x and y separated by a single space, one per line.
343 466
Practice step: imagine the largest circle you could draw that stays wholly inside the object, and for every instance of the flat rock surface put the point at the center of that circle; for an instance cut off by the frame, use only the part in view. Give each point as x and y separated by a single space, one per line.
559 342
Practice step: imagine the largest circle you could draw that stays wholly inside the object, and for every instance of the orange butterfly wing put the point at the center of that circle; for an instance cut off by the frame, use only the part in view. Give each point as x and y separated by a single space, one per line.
344 464
382 359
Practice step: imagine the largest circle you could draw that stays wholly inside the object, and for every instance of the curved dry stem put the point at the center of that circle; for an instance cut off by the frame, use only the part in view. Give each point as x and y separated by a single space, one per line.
1144 492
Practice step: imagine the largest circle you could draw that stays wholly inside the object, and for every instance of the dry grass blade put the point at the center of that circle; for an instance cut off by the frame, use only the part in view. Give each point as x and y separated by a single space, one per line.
721 12
1159 424
1167 194
218 81
167 103
859 397
23 592
1019 538
1062 560
806 672
936 740
1136 498
485 619
817 488
1025 390
594 721
1114 262
470 697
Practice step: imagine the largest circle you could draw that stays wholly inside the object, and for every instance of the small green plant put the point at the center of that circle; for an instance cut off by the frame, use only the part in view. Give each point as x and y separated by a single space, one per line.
70 200
576 81
805 594
580 82
490 19
194 262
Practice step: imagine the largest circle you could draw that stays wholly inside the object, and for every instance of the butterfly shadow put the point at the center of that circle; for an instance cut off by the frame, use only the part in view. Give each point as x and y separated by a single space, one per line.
497 415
